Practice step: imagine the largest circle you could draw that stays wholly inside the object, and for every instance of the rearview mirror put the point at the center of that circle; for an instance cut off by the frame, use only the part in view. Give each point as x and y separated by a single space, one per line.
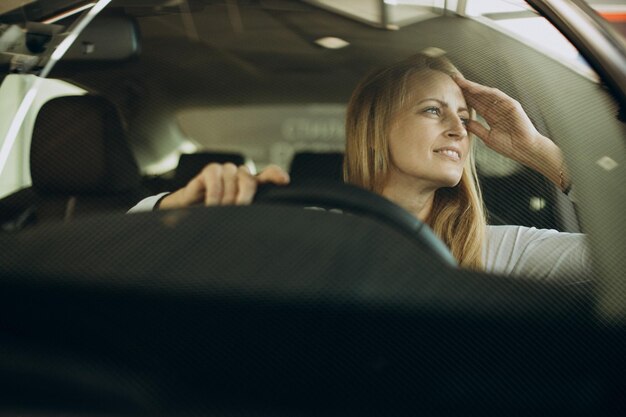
107 38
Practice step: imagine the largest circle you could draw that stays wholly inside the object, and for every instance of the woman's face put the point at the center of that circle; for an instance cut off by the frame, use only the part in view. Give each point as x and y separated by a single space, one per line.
428 142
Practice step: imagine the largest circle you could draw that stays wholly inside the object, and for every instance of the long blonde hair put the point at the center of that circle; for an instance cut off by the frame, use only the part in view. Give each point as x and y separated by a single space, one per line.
457 215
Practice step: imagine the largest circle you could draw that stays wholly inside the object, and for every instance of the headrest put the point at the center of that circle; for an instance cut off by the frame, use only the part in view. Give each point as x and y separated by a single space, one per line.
311 165
190 164
79 146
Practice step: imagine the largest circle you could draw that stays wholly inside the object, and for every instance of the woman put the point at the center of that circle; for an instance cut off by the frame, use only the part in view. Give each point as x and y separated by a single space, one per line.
408 130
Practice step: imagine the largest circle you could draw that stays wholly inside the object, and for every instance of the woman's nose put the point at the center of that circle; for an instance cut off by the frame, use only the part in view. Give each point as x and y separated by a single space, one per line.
456 127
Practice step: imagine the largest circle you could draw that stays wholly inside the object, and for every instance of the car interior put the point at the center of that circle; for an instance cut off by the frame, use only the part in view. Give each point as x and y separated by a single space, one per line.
271 309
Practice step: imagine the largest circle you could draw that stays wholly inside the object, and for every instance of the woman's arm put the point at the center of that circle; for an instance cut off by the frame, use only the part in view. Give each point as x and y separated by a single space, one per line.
537 253
216 184
148 204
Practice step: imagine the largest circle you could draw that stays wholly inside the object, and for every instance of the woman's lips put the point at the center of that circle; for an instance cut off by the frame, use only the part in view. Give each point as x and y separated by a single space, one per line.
449 153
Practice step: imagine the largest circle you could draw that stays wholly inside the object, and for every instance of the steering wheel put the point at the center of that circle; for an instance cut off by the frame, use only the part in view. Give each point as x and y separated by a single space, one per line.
356 200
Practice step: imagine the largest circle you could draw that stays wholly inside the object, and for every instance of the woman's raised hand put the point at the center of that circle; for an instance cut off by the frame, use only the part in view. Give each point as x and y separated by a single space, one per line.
511 133
223 184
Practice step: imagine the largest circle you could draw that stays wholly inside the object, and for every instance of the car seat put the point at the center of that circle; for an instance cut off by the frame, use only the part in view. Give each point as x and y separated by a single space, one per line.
80 163
313 166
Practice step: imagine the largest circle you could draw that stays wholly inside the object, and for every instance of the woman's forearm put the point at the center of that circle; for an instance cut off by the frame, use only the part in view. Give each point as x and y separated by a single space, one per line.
547 159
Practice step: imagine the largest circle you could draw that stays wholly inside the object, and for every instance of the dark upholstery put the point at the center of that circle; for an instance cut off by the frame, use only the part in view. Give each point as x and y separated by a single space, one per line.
79 146
307 166
189 165
80 164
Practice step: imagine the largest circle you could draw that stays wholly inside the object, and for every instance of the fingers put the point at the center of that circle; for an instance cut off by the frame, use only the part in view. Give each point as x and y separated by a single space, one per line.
212 177
246 185
498 109
471 87
230 181
487 99
227 184
273 174
478 129
481 97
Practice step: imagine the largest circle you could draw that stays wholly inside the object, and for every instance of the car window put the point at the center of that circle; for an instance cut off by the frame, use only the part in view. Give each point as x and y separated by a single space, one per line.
613 12
267 134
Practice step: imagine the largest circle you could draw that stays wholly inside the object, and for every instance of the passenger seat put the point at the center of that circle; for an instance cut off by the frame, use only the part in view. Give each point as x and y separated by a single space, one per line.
80 163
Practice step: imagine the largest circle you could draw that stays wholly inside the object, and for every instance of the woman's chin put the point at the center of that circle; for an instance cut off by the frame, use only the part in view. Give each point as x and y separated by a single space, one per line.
450 182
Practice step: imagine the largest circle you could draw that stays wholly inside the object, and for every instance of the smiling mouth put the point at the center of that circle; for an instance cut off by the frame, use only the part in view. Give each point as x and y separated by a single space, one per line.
450 153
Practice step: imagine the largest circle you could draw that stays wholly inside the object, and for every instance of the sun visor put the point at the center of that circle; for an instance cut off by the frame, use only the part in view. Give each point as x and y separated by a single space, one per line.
107 38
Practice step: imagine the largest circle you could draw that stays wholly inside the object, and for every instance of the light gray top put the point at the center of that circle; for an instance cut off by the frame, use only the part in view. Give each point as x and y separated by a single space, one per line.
147 204
538 253
513 250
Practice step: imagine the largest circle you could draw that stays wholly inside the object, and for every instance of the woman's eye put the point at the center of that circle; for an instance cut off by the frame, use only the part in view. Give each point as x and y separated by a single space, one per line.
465 121
432 110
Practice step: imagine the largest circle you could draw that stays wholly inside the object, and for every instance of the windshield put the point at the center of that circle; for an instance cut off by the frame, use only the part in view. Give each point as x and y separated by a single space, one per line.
269 82
284 174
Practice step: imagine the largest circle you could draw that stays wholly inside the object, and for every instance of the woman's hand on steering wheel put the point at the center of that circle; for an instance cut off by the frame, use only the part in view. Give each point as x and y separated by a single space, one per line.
223 184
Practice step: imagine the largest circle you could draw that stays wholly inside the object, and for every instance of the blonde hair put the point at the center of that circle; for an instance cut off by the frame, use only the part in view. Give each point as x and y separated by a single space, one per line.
458 215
